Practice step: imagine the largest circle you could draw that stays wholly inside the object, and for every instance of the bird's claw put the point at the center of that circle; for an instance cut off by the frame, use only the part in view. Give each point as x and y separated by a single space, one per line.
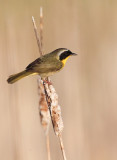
48 82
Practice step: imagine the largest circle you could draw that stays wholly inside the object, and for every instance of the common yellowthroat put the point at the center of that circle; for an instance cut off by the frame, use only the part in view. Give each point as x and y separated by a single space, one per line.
44 66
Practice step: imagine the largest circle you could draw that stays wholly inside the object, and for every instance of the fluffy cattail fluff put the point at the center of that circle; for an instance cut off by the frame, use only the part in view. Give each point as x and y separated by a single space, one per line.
43 107
55 110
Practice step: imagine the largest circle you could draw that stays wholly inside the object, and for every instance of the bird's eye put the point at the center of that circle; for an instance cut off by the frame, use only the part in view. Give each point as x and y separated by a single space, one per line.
64 55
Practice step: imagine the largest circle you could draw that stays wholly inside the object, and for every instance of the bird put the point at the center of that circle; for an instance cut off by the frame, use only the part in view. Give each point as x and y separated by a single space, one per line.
45 66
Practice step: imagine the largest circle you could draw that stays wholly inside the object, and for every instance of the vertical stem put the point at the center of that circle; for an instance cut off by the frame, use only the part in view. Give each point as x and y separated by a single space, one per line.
48 146
37 36
41 27
41 44
62 147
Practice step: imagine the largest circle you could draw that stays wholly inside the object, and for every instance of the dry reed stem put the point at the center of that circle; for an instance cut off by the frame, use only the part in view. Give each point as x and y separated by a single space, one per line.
47 115
37 36
62 147
51 98
44 112
48 146
41 28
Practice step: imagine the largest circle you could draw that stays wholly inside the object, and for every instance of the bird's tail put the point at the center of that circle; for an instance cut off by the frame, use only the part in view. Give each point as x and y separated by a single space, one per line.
15 77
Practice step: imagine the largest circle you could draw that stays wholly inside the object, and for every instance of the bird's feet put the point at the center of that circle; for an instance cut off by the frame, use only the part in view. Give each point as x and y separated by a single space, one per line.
48 82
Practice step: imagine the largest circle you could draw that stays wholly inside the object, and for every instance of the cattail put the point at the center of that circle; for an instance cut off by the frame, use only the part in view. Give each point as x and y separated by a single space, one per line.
48 102
43 107
55 110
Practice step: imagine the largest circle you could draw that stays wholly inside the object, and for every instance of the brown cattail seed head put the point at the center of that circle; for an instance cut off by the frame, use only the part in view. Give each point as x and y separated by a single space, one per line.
43 107
55 110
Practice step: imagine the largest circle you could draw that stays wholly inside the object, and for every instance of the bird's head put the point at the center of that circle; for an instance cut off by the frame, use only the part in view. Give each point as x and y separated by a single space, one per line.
63 54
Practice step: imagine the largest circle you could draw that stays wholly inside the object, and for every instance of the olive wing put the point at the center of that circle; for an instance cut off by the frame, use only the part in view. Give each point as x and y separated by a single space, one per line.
34 63
41 65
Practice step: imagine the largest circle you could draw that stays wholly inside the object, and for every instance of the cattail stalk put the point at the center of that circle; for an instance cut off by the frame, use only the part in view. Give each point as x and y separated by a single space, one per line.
37 36
48 103
43 107
47 111
41 28
62 146
48 146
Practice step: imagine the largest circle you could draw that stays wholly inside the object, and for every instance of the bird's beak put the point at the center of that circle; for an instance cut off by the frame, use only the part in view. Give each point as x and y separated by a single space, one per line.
74 54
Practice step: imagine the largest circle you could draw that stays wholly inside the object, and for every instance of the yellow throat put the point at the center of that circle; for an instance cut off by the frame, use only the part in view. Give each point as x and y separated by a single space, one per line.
64 60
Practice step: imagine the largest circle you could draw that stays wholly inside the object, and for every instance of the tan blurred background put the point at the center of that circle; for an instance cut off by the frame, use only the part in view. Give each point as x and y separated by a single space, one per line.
87 86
